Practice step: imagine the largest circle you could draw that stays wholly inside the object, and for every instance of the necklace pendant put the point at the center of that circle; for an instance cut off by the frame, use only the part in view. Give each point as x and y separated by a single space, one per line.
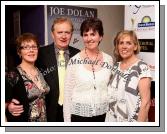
94 87
36 78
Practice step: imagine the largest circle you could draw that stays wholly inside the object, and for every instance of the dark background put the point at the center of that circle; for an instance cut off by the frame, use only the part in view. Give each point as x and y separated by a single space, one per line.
31 20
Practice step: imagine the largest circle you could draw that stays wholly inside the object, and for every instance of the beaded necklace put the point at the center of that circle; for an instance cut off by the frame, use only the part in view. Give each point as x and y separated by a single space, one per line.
93 69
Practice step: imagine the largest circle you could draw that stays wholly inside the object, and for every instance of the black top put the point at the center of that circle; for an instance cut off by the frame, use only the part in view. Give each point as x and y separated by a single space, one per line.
16 90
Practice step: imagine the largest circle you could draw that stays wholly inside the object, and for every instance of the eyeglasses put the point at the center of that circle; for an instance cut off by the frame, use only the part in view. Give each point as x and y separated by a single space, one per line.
28 47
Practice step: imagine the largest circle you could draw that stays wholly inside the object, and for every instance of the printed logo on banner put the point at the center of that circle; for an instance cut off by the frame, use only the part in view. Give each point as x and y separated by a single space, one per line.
141 19
146 22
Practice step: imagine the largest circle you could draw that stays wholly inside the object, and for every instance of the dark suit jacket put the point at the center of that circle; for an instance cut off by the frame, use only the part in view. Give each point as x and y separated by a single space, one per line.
47 63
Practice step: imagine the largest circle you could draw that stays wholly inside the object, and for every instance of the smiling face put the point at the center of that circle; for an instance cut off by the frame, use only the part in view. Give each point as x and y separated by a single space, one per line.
28 51
91 39
126 47
62 34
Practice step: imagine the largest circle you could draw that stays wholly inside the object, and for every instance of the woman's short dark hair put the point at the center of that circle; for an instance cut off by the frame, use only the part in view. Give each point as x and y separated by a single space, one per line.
25 37
94 24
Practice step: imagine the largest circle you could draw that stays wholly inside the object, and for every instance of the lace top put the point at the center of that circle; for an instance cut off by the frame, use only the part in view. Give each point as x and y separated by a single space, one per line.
80 96
124 95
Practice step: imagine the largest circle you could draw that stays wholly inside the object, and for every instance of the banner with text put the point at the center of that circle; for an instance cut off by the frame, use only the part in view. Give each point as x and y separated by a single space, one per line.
76 14
141 19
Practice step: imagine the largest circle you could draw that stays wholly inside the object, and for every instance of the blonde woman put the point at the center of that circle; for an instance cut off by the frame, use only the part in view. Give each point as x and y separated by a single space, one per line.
129 87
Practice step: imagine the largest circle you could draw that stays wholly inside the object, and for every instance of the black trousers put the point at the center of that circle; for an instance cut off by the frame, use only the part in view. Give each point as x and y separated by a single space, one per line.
99 118
59 114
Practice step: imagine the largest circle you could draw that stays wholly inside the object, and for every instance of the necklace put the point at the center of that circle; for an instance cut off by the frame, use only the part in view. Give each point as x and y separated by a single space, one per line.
35 77
93 69
32 74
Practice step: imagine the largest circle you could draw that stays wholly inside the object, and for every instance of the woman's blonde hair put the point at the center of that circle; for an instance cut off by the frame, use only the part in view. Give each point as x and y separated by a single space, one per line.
121 34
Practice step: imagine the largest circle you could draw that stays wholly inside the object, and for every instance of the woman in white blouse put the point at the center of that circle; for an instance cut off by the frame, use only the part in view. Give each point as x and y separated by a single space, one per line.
129 88
87 76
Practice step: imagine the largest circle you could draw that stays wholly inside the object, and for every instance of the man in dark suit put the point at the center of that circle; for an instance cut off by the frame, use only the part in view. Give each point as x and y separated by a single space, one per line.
62 29
47 62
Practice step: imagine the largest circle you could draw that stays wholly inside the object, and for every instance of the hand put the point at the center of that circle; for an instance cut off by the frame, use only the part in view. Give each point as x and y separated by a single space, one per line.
14 108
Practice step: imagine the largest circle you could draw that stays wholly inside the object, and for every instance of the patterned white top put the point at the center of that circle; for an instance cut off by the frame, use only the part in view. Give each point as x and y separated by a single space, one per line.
124 95
80 97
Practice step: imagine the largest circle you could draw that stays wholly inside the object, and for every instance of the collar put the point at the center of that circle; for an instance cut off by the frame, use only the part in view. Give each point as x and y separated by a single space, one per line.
66 51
